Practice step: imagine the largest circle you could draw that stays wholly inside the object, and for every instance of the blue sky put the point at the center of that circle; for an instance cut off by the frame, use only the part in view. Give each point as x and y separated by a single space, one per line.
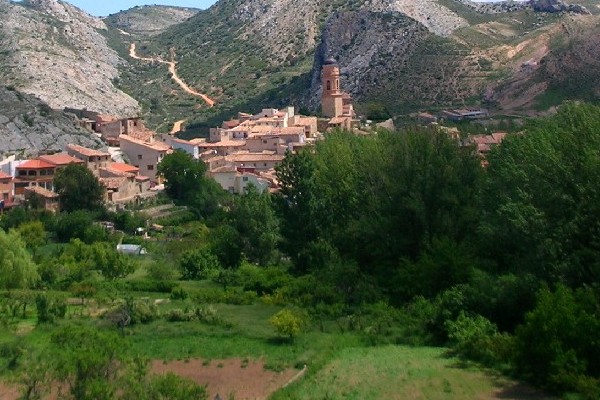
102 8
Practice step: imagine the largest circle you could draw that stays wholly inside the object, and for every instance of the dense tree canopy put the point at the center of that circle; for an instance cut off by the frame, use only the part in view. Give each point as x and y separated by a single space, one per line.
78 188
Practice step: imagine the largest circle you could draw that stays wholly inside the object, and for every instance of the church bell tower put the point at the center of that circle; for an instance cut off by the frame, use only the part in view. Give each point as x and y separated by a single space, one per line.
332 103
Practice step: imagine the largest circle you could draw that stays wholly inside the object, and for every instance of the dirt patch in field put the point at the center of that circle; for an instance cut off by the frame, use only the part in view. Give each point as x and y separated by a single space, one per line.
243 379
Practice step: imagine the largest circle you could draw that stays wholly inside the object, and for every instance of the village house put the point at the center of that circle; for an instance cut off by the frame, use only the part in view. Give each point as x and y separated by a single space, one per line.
124 187
485 143
237 182
93 159
145 155
34 173
43 198
7 190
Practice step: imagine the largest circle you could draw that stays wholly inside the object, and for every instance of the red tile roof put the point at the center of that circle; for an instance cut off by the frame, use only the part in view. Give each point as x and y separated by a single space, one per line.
4 175
60 159
87 152
35 164
124 167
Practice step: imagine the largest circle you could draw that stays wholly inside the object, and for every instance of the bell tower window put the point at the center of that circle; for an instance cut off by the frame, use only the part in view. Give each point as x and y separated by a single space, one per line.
328 85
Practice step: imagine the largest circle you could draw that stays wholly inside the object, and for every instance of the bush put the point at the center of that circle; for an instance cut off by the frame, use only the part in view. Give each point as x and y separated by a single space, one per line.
198 264
476 338
288 323
49 308
179 293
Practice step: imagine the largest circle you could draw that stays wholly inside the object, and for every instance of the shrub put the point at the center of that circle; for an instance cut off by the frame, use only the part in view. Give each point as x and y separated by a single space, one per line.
476 338
49 308
198 264
288 323
179 293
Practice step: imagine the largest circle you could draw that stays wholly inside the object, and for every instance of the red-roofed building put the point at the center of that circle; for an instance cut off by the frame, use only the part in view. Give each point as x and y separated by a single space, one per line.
122 167
93 159
60 159
34 173
43 197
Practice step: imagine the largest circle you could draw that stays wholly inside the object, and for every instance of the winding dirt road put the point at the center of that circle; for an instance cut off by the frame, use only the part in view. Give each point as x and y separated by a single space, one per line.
177 126
174 76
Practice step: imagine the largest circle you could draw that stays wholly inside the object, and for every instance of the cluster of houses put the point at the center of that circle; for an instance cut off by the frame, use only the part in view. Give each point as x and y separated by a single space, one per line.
243 151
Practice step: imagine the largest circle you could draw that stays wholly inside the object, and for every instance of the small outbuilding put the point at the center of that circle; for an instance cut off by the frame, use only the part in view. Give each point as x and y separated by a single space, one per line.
131 249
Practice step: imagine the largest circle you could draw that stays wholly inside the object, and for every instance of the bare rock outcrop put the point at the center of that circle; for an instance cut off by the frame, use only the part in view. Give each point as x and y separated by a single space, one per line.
29 126
57 52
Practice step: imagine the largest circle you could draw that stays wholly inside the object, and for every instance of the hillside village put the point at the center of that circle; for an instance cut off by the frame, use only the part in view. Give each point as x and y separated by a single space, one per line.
243 151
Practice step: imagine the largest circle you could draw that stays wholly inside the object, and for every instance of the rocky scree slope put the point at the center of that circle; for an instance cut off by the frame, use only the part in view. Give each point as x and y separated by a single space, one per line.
29 126
149 20
57 52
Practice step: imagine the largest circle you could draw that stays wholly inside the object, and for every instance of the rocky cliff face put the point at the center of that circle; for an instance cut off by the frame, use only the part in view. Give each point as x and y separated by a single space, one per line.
29 126
58 53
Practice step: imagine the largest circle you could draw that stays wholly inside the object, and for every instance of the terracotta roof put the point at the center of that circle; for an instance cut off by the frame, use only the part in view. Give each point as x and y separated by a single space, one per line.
156 145
35 164
223 169
60 159
4 175
142 178
124 167
337 120
230 124
42 192
113 173
254 157
86 151
223 143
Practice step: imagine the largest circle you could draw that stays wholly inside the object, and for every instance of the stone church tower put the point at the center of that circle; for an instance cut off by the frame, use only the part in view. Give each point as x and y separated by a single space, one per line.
332 100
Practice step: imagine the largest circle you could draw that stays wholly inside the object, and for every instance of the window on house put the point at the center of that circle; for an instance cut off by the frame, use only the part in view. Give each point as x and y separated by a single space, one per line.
139 156
245 179
5 196
22 173
150 167
43 172
31 173
265 164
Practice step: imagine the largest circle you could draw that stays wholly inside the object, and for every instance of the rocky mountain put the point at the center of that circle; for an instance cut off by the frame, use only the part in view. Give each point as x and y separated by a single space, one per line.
149 20
60 54
402 54
29 126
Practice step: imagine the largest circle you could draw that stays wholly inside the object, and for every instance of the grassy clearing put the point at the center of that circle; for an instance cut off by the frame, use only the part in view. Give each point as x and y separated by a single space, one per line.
398 372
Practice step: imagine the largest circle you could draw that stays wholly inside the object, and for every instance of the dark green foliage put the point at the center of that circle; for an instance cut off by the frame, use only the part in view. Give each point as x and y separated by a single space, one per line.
186 183
73 225
257 225
49 308
541 200
198 264
557 346
78 188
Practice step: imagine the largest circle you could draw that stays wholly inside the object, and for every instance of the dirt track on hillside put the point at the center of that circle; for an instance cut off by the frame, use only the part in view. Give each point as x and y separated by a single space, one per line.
173 70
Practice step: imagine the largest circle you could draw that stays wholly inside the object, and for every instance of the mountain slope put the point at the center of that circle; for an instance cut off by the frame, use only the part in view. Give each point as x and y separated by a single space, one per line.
28 126
57 52
149 20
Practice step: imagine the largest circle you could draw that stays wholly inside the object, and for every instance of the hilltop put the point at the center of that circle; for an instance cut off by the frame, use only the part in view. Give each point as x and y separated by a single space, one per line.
60 54
29 126
400 55
149 20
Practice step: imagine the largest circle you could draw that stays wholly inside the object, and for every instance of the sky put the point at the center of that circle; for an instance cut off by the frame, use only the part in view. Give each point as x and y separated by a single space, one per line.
102 8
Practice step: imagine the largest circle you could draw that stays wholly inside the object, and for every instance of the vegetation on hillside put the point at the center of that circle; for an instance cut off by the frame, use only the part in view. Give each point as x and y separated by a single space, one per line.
381 240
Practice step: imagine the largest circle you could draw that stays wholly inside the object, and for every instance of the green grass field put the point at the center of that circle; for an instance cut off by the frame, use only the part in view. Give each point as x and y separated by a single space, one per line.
399 372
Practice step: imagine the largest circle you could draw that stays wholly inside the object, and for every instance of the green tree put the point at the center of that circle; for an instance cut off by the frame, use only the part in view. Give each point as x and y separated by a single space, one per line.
198 264
33 234
17 269
557 344
541 203
183 174
78 188
254 218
